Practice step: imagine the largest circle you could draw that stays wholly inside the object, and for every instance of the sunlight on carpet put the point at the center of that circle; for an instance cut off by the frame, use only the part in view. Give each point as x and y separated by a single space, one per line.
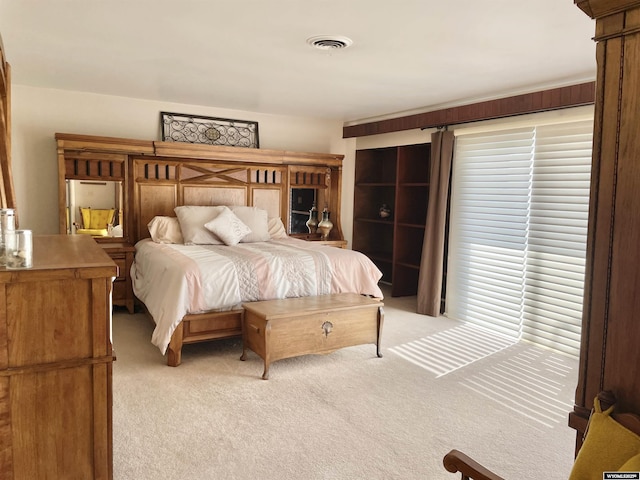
449 350
531 383
529 380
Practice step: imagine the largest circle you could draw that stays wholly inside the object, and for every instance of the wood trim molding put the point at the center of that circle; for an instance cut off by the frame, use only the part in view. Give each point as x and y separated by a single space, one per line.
603 8
545 100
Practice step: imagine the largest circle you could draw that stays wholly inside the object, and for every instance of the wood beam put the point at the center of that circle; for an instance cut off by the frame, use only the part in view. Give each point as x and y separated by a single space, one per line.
553 99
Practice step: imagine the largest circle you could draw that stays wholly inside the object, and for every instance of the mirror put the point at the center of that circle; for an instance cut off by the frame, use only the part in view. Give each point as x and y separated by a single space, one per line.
302 199
98 203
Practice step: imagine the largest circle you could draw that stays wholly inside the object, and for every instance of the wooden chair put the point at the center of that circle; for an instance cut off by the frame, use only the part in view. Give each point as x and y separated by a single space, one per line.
458 462
455 461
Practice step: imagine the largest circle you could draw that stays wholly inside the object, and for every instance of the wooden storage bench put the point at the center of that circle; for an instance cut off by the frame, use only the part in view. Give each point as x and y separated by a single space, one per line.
277 329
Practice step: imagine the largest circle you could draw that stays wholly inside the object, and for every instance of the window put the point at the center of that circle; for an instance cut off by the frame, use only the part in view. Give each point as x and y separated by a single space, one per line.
518 229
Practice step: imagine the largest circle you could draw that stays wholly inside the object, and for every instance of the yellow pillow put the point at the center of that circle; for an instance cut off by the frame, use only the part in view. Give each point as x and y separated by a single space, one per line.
631 465
607 447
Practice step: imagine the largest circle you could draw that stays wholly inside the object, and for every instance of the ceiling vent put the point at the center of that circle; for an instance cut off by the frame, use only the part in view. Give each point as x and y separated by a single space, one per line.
329 42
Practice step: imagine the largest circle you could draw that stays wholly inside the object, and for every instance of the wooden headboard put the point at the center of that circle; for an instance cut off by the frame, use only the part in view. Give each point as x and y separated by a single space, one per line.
160 185
159 176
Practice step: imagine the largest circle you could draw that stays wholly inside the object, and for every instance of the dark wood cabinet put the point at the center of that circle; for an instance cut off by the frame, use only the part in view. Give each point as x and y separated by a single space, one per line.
609 355
399 178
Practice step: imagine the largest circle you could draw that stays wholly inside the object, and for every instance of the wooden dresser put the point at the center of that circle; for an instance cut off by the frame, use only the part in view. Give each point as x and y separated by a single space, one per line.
56 363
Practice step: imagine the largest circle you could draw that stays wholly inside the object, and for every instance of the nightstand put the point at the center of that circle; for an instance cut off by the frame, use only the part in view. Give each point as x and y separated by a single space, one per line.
122 254
333 243
315 237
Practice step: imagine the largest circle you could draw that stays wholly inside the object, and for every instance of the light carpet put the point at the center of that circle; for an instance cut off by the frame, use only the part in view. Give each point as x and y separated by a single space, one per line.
346 415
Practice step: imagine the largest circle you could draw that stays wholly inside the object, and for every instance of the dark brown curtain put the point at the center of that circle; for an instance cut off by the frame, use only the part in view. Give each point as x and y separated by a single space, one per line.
430 280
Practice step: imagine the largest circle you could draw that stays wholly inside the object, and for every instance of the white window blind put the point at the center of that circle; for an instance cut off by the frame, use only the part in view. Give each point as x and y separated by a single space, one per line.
557 236
517 232
488 229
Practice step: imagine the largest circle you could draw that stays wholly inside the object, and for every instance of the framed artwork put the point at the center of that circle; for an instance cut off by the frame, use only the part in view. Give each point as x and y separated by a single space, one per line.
180 127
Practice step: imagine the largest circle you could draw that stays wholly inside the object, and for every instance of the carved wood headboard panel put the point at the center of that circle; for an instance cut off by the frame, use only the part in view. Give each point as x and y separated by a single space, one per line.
160 185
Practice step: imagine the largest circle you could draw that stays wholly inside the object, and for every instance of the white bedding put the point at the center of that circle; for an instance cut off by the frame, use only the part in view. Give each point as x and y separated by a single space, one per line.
174 280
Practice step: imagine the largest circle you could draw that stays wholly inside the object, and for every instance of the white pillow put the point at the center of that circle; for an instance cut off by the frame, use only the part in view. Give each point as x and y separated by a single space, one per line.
276 228
192 219
228 227
257 220
165 230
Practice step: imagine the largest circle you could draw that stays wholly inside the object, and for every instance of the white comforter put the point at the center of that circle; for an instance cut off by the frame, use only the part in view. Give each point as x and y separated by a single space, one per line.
175 280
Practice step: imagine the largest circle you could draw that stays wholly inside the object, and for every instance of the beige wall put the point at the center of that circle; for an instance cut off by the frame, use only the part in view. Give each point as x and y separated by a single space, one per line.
37 114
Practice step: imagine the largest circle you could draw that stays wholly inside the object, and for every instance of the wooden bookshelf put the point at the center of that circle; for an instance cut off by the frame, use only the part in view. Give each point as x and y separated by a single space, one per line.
399 177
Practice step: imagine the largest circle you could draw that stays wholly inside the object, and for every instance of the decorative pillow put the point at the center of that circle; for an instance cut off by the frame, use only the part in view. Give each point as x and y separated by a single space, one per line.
192 219
165 230
228 227
607 447
257 220
276 228
631 465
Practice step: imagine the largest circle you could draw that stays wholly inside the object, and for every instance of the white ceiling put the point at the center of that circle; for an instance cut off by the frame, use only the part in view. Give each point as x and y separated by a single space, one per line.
407 55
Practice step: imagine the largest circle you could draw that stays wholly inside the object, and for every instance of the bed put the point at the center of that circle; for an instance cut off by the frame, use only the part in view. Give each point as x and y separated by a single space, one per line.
196 279
192 288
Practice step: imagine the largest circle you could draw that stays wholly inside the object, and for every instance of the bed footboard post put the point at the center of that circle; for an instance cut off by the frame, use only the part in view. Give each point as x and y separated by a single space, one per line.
174 351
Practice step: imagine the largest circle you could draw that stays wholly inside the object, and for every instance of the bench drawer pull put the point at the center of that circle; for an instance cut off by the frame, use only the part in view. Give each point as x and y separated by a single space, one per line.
327 327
